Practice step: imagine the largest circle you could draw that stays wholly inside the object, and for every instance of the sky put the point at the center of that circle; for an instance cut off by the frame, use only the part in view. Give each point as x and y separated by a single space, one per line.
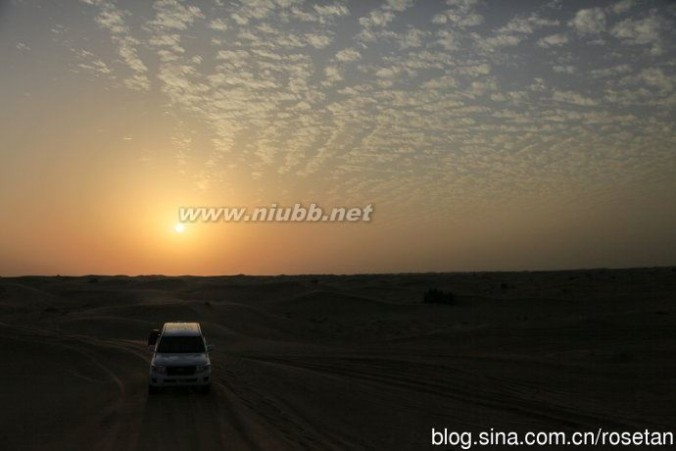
485 134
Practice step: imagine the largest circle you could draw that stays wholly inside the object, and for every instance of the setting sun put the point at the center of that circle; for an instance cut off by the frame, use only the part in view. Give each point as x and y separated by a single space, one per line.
526 136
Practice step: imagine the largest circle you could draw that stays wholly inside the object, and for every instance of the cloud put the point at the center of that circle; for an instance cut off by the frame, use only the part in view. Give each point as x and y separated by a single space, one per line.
527 25
412 38
399 5
517 30
641 32
481 88
347 55
173 14
218 25
448 40
112 19
443 82
377 18
655 77
474 70
375 25
326 13
382 102
318 41
461 14
589 21
387 72
573 98
611 71
171 20
553 40
333 74
503 40
92 63
168 40
564 69
622 6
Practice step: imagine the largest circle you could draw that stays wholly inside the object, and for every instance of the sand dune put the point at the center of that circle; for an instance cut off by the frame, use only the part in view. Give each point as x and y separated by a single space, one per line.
337 362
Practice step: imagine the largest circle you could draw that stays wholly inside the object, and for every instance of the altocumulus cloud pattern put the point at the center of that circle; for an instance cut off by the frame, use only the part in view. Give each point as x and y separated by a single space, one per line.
439 103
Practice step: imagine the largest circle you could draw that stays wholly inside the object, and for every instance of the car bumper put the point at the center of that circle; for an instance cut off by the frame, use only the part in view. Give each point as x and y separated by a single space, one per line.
163 380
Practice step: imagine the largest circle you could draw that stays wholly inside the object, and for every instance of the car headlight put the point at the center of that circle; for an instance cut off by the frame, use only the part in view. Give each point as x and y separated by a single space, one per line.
159 369
203 368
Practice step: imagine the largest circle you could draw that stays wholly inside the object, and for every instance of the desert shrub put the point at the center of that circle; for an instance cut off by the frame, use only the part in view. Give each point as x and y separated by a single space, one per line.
436 296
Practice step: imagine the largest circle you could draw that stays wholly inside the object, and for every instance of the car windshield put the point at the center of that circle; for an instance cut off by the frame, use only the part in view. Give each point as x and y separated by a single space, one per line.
180 344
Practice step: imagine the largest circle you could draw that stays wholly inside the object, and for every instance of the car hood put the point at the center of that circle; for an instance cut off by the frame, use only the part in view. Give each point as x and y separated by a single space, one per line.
180 359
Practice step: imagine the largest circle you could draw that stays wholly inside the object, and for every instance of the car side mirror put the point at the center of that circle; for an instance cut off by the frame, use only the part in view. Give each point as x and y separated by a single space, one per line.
152 337
210 347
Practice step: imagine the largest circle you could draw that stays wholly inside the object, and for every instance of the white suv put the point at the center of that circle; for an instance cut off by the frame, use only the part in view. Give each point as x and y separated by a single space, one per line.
180 357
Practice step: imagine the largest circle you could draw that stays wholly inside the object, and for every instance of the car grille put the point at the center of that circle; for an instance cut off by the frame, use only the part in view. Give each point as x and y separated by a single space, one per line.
180 370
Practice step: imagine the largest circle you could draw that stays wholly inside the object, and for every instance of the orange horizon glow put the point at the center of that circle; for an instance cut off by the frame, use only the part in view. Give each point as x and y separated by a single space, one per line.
501 138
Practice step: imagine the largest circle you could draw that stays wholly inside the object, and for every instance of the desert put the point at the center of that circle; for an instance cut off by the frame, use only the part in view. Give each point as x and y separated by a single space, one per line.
338 361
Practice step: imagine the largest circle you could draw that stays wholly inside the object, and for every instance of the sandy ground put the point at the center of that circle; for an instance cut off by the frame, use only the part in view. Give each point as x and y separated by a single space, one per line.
337 362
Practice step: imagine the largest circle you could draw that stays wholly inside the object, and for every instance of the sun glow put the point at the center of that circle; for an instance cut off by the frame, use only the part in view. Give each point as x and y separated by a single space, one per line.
179 228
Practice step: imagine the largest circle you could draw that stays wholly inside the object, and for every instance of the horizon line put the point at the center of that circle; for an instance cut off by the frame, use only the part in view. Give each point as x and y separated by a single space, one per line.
402 273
